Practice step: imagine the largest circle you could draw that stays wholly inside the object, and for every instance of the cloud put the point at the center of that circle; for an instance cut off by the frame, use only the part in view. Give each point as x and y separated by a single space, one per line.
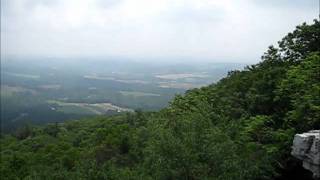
165 29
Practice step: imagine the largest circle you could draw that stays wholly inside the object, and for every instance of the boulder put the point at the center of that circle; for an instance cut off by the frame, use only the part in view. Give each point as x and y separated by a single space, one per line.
306 147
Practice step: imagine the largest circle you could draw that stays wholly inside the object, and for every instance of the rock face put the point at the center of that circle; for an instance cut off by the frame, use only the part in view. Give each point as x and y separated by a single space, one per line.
306 147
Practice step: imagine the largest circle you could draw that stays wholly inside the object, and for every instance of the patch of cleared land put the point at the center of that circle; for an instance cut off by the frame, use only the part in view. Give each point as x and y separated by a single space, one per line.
178 85
180 76
50 86
70 109
30 76
137 94
129 81
95 108
11 90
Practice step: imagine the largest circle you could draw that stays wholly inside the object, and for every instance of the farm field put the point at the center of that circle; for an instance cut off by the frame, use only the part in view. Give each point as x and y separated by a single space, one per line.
87 108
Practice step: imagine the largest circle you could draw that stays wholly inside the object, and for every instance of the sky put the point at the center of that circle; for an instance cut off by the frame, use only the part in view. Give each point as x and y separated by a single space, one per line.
201 30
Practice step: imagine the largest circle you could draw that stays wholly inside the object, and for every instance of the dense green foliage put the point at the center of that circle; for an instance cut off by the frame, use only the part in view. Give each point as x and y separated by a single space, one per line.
239 128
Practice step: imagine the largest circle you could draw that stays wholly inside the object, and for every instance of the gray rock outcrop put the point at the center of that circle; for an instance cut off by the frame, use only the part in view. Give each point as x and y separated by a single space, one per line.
306 147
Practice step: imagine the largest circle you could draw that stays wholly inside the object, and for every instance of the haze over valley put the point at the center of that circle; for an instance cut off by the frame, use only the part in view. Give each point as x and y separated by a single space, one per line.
49 90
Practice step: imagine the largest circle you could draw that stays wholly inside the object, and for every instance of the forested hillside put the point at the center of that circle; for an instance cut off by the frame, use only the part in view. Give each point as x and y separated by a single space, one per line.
239 128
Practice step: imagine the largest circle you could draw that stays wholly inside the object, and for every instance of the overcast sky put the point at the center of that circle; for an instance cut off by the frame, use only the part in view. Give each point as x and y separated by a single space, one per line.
208 30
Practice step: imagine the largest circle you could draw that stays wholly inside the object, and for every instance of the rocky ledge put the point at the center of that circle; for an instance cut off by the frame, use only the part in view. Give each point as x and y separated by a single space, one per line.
306 147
